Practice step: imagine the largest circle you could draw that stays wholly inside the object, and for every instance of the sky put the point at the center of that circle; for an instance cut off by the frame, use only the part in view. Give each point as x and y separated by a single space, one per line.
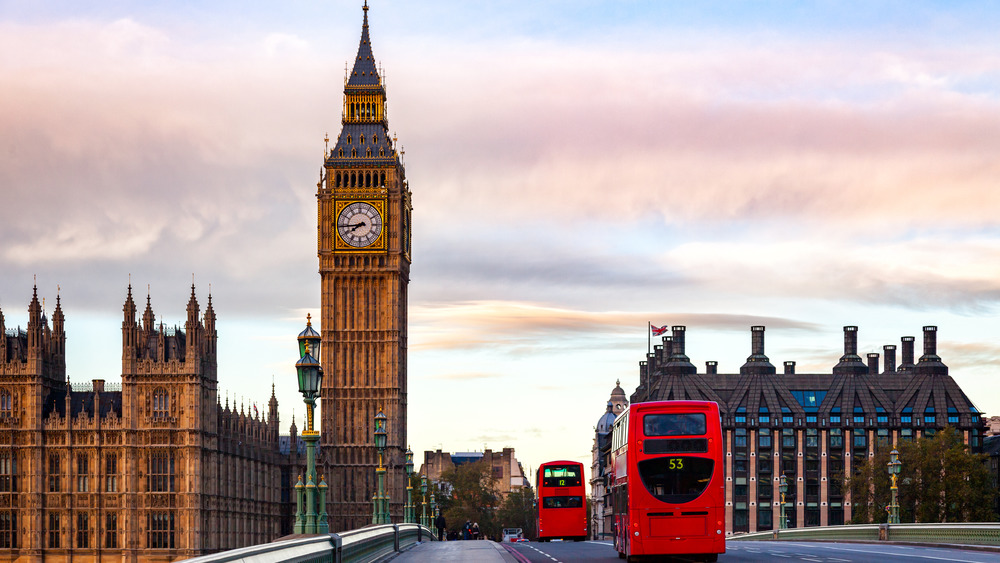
578 168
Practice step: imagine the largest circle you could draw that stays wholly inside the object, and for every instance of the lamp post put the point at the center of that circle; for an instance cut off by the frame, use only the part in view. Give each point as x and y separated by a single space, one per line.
894 467
783 488
381 501
433 516
409 514
423 501
310 519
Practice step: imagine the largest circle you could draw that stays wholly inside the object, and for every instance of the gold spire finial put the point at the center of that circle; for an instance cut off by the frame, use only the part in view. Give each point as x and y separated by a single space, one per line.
309 319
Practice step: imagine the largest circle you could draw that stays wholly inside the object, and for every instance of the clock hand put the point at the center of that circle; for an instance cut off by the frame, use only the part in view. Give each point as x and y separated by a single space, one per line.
353 227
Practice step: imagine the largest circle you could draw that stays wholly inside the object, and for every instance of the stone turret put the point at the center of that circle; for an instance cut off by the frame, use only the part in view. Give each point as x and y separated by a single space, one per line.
3 339
273 420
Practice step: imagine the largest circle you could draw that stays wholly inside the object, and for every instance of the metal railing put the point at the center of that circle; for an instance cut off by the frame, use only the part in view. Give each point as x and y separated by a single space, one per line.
972 533
370 543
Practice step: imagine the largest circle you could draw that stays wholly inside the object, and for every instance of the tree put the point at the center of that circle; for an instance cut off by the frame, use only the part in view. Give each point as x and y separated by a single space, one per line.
473 497
519 511
940 481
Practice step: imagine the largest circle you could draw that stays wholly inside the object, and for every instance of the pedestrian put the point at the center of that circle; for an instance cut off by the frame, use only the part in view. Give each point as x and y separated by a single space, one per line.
475 531
466 530
440 523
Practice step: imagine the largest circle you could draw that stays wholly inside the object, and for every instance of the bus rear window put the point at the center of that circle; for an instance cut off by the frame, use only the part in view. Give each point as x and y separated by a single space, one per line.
561 476
676 479
680 424
562 502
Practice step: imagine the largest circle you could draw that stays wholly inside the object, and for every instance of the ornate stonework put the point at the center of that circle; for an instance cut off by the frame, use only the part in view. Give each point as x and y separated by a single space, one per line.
364 264
154 469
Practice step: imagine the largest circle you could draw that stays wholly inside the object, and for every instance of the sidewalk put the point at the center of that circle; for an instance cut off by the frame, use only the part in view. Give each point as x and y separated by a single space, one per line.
482 550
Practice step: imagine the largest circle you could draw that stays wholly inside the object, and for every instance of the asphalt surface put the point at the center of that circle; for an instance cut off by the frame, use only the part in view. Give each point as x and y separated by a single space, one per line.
813 552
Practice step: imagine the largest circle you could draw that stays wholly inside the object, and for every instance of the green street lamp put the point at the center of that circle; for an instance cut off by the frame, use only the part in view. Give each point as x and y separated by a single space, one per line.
312 518
380 514
783 488
423 497
430 520
409 512
894 467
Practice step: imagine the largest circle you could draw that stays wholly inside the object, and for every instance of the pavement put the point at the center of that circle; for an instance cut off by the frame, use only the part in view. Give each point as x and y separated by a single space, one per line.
478 551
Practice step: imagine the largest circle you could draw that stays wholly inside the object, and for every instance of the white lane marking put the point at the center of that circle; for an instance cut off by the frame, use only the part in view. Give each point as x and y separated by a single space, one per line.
545 554
838 559
883 553
813 560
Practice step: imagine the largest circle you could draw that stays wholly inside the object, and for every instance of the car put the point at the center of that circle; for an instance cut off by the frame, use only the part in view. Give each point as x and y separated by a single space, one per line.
513 534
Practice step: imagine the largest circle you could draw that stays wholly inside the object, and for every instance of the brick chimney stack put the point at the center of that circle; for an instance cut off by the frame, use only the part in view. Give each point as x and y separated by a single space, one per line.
890 358
873 363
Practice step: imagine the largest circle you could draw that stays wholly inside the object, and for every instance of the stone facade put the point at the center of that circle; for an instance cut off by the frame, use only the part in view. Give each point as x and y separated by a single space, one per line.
601 514
508 475
153 469
364 265
814 428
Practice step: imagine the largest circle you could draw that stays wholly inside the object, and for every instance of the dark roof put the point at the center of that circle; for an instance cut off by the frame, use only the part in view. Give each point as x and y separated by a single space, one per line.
82 402
285 445
364 72
375 137
924 389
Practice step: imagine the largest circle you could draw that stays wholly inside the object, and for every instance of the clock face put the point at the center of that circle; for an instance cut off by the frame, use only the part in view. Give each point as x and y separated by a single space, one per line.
359 224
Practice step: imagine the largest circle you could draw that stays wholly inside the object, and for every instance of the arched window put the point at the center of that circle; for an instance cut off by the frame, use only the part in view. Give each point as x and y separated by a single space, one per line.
348 139
354 153
382 178
368 179
161 403
338 179
6 404
353 179
369 152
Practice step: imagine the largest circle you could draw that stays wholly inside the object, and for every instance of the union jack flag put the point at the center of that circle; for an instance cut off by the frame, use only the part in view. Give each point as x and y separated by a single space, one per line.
658 330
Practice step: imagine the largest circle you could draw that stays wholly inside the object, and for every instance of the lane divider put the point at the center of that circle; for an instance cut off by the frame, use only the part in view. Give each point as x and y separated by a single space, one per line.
517 555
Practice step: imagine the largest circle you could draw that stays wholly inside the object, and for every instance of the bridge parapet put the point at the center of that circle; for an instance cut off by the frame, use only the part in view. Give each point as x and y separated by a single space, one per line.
971 533
365 544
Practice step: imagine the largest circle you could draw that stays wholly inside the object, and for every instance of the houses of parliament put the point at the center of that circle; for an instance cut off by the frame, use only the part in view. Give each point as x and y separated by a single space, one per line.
158 467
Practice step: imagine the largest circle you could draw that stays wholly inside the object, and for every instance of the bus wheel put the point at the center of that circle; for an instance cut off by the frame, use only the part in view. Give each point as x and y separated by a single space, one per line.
621 555
712 557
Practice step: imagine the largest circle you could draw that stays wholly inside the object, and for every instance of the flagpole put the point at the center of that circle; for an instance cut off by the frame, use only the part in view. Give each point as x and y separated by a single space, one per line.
649 339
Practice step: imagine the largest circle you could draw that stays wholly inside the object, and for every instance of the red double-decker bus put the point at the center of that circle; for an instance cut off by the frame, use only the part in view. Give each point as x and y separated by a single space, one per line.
668 494
562 513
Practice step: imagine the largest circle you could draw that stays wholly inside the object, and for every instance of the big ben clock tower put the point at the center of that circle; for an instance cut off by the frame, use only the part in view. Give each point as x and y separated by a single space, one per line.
363 240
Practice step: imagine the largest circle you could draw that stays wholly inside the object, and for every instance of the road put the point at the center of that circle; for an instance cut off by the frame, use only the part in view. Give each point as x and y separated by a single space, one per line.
813 552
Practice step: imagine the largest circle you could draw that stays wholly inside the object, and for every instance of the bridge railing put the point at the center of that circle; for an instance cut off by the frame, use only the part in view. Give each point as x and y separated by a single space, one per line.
365 544
973 533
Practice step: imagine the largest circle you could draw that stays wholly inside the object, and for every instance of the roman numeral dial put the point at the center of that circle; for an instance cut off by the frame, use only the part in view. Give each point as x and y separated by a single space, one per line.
359 225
